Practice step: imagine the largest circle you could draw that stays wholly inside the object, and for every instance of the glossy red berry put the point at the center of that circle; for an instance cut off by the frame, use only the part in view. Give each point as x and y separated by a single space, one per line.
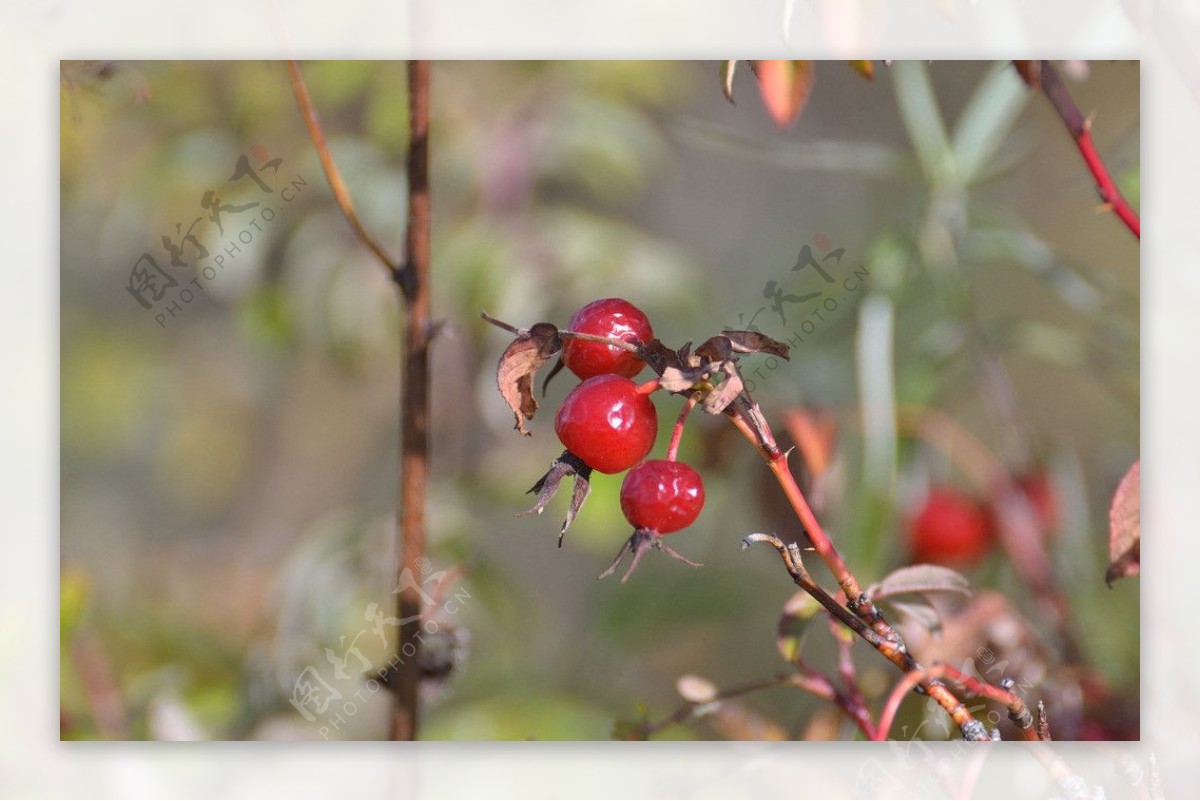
662 496
607 423
950 529
610 317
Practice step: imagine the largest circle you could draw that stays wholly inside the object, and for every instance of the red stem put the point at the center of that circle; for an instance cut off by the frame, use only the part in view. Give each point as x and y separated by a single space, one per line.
677 433
1081 131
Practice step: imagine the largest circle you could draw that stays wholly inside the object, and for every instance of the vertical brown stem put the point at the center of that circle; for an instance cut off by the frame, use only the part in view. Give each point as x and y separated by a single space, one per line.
414 409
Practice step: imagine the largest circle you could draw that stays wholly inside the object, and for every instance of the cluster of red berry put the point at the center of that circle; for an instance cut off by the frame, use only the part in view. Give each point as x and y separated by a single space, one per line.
608 423
955 529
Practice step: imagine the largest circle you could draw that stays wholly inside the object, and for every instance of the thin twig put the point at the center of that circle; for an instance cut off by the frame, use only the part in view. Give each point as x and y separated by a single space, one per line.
1018 712
892 650
413 280
758 433
334 178
1080 129
677 433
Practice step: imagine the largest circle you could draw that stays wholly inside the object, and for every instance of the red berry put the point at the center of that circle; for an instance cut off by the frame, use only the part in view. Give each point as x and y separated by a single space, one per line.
662 496
607 423
614 318
950 529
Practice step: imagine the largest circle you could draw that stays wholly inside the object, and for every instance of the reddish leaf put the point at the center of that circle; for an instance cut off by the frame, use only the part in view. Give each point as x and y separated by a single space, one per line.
920 579
785 86
519 363
1125 527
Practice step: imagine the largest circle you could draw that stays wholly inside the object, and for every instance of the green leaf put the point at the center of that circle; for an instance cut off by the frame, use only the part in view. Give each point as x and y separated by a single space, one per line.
986 121
921 115
798 612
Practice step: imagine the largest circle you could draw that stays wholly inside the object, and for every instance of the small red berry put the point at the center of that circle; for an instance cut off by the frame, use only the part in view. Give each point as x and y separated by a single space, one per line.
950 529
662 496
614 318
607 423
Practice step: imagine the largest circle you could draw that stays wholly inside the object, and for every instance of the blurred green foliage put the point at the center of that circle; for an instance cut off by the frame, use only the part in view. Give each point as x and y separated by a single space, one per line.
228 476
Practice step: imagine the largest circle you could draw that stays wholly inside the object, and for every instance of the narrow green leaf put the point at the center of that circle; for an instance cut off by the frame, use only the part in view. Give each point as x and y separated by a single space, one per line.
987 120
921 115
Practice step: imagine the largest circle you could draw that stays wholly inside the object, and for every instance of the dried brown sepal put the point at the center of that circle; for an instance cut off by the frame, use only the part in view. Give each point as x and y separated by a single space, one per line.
555 370
754 342
1125 527
520 361
568 464
643 540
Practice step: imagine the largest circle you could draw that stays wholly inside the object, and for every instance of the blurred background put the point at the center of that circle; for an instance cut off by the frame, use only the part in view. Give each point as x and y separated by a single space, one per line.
229 440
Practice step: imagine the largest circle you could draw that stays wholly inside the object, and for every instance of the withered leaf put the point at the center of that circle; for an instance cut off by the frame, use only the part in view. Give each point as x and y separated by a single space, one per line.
520 361
1125 527
681 379
920 579
754 342
725 392
715 349
568 464
658 356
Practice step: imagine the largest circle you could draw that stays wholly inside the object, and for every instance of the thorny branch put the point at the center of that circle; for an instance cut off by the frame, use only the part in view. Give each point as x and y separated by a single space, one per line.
1043 75
892 649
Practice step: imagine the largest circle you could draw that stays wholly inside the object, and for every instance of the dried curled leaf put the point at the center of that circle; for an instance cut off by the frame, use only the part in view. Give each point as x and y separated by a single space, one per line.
725 392
520 361
659 356
568 464
755 342
785 86
1125 527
